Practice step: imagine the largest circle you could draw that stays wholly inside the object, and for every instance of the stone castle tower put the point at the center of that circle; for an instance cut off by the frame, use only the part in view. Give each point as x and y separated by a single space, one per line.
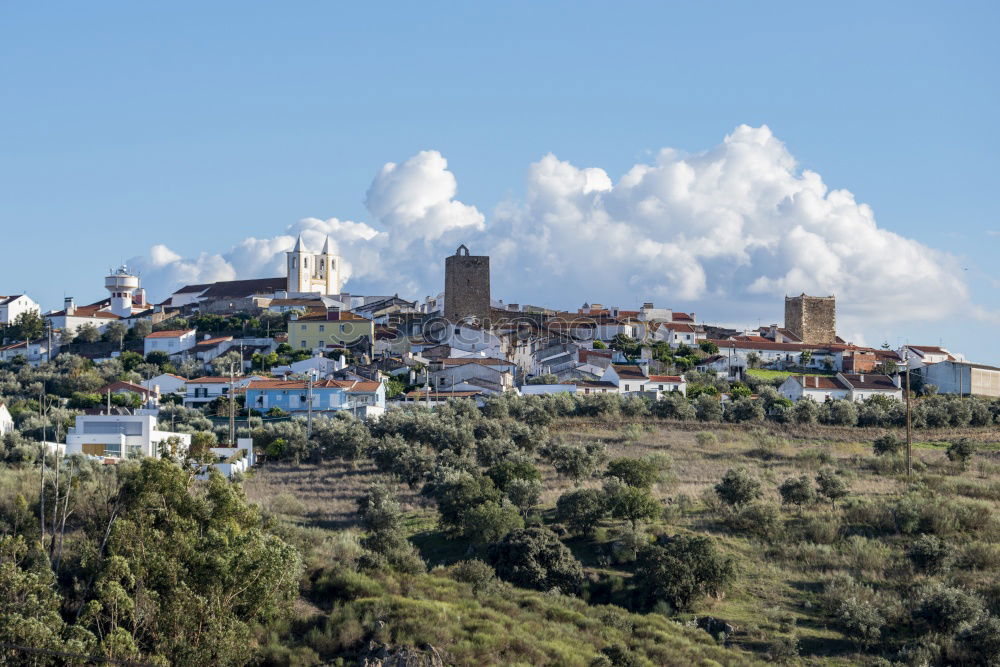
309 272
467 286
812 318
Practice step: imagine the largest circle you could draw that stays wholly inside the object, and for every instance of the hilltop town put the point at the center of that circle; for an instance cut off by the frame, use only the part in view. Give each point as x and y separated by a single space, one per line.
299 344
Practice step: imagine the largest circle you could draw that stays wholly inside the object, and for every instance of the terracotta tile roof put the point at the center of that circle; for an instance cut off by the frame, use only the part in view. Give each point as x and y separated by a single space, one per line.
176 333
422 395
212 342
121 385
627 372
209 380
93 311
677 326
487 361
820 382
683 317
336 316
351 386
666 378
870 381
768 345
240 289
14 346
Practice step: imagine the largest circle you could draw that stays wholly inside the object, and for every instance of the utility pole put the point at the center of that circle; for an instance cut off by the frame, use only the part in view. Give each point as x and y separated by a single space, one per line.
309 407
909 437
232 408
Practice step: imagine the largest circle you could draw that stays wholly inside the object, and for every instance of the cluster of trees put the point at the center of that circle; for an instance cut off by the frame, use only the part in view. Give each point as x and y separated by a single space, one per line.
151 571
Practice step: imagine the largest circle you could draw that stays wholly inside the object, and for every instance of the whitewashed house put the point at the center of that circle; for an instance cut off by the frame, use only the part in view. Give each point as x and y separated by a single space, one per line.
665 384
12 306
199 391
816 387
865 385
628 378
166 383
171 342
121 436
6 421
490 375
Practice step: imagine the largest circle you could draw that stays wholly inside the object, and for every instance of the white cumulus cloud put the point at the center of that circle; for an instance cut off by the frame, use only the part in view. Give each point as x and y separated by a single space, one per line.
727 230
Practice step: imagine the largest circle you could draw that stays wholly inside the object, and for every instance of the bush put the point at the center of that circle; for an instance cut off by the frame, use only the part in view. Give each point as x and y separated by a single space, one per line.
831 485
889 443
631 503
839 413
679 570
930 554
708 408
948 609
797 491
745 410
640 473
760 519
961 451
535 558
806 411
705 438
581 510
575 461
738 487
475 573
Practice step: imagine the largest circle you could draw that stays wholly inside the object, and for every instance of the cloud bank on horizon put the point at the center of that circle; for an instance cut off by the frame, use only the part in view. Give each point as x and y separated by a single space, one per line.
738 225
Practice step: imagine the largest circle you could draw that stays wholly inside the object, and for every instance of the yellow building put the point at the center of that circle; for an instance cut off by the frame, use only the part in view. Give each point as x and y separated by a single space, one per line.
330 330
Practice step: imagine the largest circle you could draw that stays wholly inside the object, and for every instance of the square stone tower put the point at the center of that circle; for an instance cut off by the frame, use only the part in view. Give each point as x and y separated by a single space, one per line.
812 318
467 286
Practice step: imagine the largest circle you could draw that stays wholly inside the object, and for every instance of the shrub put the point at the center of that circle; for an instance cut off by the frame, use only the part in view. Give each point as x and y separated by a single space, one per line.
745 410
930 554
961 451
760 519
631 503
806 411
535 558
889 443
581 510
640 473
705 438
708 408
738 487
490 521
948 609
839 413
524 493
822 528
475 573
981 642
680 569
797 491
575 461
831 485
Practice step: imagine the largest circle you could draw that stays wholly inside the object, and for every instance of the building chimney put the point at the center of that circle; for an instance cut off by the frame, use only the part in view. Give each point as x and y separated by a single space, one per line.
861 377
69 305
648 305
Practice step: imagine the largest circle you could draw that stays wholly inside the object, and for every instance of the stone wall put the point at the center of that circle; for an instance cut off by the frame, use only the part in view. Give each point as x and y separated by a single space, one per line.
467 286
812 318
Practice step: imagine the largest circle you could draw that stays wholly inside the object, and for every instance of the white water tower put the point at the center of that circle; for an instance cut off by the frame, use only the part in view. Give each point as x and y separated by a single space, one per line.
122 286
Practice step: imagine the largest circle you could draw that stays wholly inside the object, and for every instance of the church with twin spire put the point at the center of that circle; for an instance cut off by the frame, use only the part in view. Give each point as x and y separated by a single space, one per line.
312 273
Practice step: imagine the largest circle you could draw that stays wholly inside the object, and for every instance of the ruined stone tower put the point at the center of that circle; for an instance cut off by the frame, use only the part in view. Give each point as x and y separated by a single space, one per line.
467 286
812 318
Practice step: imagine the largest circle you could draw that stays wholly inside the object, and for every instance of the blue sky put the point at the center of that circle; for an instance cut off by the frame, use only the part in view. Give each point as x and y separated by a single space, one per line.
126 125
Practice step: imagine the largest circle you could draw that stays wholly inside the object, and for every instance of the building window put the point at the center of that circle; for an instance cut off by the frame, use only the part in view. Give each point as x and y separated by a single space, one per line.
303 327
322 327
626 388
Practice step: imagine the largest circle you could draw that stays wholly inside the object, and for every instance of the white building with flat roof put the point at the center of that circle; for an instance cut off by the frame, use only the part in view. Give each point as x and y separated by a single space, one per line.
120 436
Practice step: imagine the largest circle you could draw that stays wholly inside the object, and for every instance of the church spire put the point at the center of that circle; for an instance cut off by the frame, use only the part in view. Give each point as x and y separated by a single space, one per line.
326 246
298 244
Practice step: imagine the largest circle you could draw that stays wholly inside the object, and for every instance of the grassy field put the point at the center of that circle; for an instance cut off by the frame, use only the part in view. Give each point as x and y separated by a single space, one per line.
778 594
764 374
